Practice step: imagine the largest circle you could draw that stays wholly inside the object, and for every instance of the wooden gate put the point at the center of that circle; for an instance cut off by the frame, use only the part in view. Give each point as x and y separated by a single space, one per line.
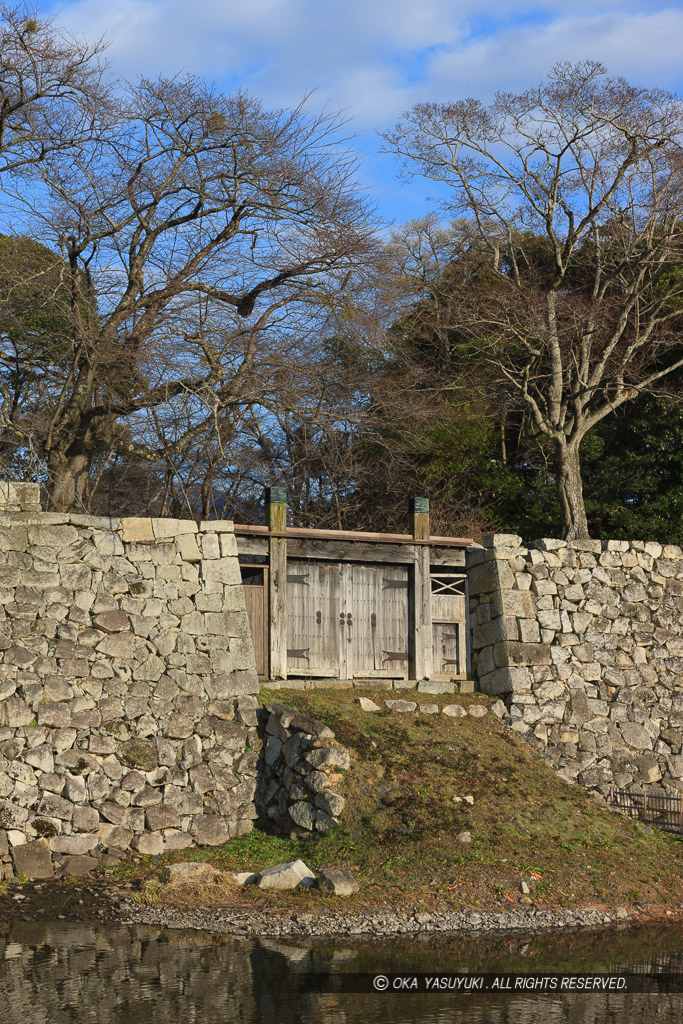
347 620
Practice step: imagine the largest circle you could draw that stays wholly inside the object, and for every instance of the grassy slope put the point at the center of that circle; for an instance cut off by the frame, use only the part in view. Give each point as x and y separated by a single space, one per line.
400 826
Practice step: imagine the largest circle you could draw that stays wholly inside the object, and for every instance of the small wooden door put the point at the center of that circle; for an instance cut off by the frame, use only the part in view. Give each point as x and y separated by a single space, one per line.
447 649
449 631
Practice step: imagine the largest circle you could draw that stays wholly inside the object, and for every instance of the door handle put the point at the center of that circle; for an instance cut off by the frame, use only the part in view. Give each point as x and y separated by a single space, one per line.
318 617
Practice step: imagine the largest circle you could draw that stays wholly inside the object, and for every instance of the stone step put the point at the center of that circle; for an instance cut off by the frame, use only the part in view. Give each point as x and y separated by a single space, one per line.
430 686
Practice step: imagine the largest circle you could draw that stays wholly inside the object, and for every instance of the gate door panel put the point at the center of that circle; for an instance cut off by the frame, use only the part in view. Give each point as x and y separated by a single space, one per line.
377 637
313 606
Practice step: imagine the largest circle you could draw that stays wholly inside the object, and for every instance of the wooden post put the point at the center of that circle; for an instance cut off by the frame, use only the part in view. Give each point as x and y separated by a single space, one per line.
276 520
422 590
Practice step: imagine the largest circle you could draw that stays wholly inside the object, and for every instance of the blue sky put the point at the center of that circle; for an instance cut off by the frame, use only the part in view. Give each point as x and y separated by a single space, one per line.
376 58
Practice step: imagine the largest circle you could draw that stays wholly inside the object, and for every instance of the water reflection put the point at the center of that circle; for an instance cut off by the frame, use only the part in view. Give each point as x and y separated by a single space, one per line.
59 972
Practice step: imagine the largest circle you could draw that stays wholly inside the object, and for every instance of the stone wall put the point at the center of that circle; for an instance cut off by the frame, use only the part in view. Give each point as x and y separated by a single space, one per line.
300 769
127 682
584 642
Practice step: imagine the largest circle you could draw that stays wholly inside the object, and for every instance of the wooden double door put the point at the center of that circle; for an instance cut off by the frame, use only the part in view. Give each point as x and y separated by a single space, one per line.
346 620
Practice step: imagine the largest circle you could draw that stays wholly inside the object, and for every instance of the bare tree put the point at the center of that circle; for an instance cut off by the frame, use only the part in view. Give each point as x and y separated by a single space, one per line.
194 233
569 284
52 89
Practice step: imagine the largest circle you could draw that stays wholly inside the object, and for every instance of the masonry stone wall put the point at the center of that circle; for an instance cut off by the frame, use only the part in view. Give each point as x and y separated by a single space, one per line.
301 766
127 682
584 642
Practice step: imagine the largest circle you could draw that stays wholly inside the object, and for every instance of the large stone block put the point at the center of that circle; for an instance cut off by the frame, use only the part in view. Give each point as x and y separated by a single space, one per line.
188 548
15 713
501 540
210 830
217 526
76 864
294 875
53 806
53 537
233 684
519 603
137 530
161 817
79 844
118 645
492 632
489 576
505 680
634 735
221 570
139 753
515 653
33 859
166 529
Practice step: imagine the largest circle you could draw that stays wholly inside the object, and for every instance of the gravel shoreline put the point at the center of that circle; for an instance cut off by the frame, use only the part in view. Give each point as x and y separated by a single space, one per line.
380 923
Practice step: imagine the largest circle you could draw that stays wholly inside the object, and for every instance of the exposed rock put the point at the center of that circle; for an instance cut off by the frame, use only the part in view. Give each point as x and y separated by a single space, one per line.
294 875
329 757
243 878
477 710
366 704
403 706
330 802
454 711
338 881
149 844
185 871
303 814
79 844
112 622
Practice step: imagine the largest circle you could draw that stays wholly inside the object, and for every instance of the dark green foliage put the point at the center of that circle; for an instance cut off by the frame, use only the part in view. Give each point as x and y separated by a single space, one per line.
34 300
633 473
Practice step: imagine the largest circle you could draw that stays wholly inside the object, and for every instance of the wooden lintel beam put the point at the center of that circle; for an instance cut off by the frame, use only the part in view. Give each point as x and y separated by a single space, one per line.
352 536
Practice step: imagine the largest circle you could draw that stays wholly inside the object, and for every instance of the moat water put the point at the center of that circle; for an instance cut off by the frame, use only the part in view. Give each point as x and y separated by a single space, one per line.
54 972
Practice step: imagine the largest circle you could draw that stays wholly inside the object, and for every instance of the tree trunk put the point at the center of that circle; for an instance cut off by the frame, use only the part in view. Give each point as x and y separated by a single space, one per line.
570 491
67 485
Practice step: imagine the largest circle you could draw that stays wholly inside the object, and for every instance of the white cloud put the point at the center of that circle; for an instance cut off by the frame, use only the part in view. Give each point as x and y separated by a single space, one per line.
642 48
375 58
